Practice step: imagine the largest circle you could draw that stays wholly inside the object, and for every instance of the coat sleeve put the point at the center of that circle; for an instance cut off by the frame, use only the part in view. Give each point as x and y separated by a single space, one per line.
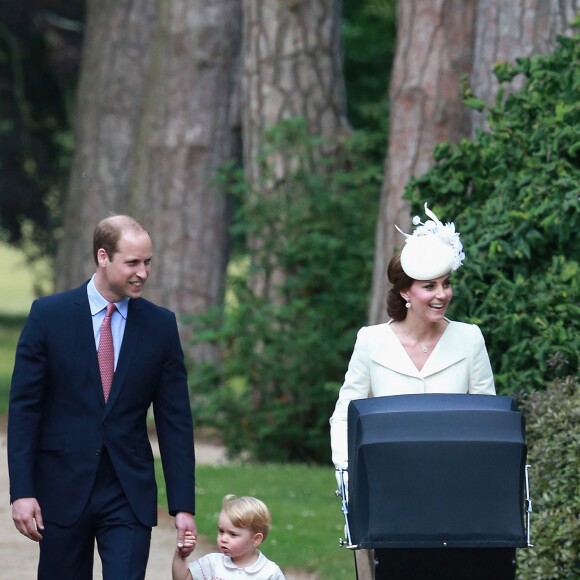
26 403
481 375
174 425
357 385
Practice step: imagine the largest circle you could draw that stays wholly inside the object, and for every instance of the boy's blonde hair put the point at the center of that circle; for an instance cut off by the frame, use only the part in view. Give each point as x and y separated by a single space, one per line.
248 512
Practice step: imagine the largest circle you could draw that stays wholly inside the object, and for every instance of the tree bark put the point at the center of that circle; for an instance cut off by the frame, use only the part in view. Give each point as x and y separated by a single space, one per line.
156 120
508 30
189 129
433 52
438 43
292 67
114 63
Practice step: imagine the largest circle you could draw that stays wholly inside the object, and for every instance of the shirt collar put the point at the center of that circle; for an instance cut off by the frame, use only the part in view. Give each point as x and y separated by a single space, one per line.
98 303
252 568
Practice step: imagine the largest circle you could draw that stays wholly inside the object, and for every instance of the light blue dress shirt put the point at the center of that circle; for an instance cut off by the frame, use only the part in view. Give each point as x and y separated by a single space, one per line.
98 306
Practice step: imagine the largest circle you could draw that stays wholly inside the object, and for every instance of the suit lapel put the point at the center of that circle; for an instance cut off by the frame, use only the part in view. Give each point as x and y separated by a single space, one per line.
127 352
85 339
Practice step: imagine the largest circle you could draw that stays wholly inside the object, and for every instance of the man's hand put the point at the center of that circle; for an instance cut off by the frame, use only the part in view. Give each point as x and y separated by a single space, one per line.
27 517
184 522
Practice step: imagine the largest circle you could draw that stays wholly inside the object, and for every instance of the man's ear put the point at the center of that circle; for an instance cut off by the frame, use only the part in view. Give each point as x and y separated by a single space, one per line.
258 539
102 256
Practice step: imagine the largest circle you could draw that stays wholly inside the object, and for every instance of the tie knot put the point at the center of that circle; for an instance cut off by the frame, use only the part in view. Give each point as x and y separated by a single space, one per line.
110 309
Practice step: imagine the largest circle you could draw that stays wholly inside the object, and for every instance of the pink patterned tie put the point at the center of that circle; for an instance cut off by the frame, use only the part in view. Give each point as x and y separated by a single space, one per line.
106 352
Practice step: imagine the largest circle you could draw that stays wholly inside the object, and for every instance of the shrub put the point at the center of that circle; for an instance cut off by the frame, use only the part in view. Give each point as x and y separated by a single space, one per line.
513 194
553 437
285 357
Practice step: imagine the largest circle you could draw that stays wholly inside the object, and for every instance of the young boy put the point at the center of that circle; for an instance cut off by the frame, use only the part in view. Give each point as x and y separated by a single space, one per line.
243 525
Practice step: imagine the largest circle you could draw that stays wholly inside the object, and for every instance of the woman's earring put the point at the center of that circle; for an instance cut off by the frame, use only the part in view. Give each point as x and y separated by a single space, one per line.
407 304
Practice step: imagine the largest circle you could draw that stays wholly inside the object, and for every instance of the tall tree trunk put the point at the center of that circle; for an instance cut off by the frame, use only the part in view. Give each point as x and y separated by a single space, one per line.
438 43
114 63
433 52
507 30
154 124
189 129
292 67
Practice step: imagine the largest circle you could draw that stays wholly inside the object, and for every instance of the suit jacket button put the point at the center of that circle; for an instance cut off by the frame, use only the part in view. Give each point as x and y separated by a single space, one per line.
98 452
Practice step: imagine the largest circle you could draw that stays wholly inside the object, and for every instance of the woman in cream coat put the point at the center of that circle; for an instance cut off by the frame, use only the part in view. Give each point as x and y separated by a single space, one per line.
383 363
418 350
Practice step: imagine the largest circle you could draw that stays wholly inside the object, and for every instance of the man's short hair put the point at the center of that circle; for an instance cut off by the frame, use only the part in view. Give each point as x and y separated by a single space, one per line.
109 230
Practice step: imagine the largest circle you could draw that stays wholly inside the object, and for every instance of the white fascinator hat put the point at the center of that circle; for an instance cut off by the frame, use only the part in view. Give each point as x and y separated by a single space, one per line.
432 250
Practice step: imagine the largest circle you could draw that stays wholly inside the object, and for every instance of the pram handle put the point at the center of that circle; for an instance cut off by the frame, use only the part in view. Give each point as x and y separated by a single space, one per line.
342 492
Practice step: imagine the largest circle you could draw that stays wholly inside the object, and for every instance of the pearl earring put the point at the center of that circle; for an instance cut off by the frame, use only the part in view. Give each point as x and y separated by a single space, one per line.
407 304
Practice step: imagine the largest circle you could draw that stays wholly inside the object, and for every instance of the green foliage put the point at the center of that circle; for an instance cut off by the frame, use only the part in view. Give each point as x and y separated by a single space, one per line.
513 194
284 352
306 516
39 56
368 34
553 437
10 328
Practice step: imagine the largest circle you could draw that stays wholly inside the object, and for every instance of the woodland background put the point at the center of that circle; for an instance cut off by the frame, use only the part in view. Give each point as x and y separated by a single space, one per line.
270 147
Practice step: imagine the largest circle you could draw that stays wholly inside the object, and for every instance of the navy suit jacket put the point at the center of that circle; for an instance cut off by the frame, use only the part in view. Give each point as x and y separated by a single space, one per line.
58 422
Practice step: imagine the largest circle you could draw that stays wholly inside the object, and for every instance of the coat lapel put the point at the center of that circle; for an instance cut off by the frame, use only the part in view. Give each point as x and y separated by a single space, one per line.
389 352
127 352
85 339
449 351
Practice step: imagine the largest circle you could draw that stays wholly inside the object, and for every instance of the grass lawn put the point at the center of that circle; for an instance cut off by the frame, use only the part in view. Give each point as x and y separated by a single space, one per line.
9 332
16 283
307 521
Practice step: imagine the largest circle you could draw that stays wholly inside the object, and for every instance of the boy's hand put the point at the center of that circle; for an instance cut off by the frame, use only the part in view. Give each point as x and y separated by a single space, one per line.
186 547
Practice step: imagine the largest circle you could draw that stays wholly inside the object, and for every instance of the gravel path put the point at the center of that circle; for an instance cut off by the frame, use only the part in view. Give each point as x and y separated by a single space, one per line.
19 556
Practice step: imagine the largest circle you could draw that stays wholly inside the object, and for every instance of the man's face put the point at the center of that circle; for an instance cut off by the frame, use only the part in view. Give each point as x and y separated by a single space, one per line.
125 272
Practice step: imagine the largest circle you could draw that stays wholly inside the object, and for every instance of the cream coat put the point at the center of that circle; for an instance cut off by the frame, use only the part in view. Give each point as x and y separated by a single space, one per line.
380 366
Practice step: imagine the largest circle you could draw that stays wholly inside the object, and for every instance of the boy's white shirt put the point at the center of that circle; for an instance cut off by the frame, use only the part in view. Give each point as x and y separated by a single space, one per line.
217 566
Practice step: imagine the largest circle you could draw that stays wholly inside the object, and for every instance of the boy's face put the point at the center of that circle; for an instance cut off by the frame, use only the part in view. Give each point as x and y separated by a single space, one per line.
238 543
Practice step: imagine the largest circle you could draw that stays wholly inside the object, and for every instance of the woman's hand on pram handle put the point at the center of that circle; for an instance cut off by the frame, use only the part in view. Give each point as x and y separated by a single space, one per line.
341 480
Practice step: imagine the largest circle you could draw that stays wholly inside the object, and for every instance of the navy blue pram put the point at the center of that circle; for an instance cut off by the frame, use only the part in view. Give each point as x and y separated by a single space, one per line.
436 471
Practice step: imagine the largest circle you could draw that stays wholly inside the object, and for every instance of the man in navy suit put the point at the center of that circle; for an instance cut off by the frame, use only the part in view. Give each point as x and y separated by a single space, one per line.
80 461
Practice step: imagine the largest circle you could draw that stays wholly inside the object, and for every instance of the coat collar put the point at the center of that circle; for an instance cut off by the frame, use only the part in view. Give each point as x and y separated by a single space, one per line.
388 351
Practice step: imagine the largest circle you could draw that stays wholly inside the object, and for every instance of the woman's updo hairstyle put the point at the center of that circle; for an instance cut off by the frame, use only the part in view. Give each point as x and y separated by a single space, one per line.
396 308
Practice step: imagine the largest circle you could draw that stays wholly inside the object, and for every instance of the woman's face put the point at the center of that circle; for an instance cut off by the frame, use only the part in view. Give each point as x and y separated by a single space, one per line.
429 298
